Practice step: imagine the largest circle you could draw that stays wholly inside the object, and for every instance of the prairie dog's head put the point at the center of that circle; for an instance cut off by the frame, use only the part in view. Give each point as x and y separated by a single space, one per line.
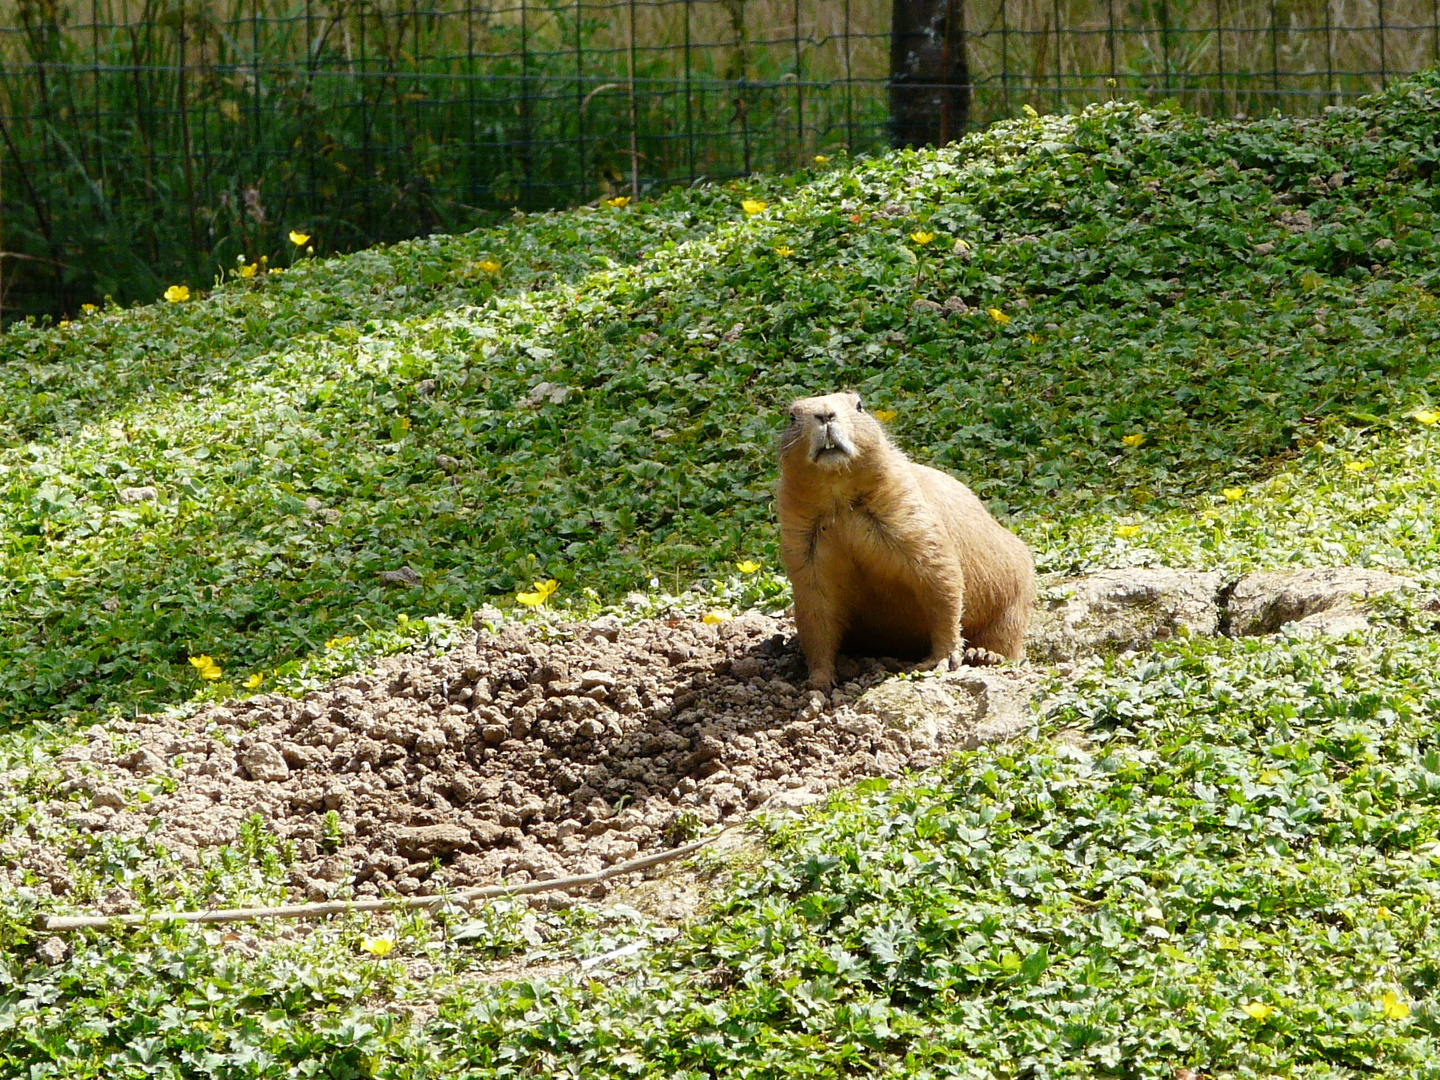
830 432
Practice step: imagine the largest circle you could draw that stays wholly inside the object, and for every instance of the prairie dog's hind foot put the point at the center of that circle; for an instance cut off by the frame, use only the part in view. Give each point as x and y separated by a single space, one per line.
978 657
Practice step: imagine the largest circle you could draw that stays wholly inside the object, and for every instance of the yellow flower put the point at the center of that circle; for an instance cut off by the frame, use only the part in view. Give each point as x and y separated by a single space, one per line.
177 293
541 592
961 246
1034 338
377 946
715 618
205 667
922 238
618 201
1126 531
1357 466
63 323
299 239
1425 416
1133 440
884 415
752 206
1258 1010
254 680
998 315
821 159
488 266
248 270
1393 1007
336 642
783 250
747 566
90 309
1233 494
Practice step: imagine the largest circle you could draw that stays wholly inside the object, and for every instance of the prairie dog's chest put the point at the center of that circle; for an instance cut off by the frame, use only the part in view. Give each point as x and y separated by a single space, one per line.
848 531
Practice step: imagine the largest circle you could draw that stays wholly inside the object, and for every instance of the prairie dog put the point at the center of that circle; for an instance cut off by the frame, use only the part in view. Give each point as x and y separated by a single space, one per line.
887 557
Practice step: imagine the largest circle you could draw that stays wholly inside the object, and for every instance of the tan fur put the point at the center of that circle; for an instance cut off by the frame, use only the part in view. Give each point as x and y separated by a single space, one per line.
887 557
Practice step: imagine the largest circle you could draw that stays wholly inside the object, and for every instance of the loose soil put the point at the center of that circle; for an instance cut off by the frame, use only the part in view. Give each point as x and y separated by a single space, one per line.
538 751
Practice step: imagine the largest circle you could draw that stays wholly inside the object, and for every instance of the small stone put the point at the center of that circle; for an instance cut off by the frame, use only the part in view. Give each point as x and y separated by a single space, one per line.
144 762
52 951
107 796
606 628
495 734
589 680
131 495
423 842
448 463
402 576
568 827
264 763
335 868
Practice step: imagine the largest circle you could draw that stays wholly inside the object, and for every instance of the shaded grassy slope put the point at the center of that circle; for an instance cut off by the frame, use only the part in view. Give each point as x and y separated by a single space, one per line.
1232 292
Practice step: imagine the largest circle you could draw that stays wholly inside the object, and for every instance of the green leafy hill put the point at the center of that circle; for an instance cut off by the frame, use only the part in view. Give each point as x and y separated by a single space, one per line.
1211 344
1227 294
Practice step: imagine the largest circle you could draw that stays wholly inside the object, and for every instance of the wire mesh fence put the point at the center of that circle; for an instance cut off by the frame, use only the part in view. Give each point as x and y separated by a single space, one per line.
150 142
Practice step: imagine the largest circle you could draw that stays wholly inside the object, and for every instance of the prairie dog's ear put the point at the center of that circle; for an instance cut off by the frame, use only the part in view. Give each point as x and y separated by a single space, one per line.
855 399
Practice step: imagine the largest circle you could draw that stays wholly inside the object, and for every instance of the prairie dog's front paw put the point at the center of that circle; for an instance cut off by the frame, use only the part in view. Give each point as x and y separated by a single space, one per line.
944 662
821 680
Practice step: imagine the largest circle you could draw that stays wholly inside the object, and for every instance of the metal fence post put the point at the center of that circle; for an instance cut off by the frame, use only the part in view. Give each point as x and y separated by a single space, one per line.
1329 56
1005 55
1380 23
850 85
1059 63
689 99
1220 52
580 100
1165 44
634 115
1274 55
799 94
526 133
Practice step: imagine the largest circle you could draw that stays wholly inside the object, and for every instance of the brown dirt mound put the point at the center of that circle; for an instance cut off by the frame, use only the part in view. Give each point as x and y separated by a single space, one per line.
536 752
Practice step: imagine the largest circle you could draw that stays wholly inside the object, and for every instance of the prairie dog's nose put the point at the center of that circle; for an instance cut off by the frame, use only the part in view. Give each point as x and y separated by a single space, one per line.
826 417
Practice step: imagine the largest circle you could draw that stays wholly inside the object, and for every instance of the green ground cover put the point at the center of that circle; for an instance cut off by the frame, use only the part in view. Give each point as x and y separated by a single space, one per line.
1211 344
1200 284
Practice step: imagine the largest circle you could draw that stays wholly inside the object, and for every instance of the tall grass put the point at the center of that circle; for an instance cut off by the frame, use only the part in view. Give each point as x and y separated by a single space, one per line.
150 142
